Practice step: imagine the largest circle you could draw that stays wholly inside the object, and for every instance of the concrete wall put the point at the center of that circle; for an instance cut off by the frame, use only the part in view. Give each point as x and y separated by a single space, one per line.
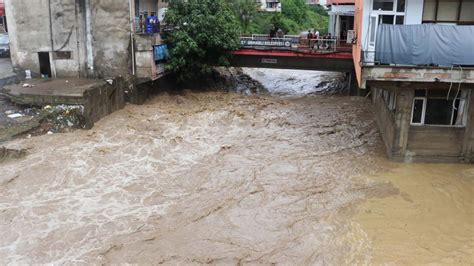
144 54
111 37
62 25
385 120
362 11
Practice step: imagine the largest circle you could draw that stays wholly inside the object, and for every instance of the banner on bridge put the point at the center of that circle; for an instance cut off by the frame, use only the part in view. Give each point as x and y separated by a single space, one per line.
272 43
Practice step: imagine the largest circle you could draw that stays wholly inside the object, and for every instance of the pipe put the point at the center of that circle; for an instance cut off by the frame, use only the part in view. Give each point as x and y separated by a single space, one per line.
132 30
89 49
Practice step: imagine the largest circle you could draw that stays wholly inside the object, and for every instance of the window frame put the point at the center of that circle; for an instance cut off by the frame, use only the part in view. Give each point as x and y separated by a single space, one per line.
394 9
458 20
425 102
392 12
423 111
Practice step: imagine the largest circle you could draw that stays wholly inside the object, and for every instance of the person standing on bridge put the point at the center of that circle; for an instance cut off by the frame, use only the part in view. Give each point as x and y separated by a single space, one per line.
280 33
310 38
272 32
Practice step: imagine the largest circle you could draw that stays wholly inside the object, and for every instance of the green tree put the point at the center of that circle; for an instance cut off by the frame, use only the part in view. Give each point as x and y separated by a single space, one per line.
296 16
204 31
294 10
245 11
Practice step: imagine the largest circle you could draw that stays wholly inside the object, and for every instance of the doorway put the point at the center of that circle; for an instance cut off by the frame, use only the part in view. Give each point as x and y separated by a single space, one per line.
45 64
347 24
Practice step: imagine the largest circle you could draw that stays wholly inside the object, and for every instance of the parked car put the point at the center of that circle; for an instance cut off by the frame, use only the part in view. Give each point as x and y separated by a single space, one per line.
4 45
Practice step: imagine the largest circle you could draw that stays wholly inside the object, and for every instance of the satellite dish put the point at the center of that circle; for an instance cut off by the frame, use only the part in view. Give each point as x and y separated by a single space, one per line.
162 14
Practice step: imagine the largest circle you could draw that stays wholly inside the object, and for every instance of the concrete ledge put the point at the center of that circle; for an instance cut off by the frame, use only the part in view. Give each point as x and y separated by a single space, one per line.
98 97
432 159
418 74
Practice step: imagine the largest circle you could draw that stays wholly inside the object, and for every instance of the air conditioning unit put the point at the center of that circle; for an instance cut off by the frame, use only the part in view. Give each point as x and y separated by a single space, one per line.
162 14
350 36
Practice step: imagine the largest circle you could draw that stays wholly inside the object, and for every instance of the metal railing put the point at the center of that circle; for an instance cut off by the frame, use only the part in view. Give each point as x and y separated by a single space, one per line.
140 27
323 45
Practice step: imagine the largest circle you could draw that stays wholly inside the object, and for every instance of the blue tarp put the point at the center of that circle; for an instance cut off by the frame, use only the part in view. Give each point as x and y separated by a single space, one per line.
160 52
425 44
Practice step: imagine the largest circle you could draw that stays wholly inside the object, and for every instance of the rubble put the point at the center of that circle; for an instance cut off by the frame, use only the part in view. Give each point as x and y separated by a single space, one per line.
18 120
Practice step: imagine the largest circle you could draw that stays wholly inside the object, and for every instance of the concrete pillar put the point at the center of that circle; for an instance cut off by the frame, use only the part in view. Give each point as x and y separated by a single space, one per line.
402 121
468 143
89 45
353 86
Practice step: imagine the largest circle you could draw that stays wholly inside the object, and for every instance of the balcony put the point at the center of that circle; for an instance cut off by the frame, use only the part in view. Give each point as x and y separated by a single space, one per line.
420 53
426 44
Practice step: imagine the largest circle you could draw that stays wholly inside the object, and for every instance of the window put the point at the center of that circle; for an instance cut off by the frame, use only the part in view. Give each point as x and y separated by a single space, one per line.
389 5
440 107
390 11
62 55
449 11
383 5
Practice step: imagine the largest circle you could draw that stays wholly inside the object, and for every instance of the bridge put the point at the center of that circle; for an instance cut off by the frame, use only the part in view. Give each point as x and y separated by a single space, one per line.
294 52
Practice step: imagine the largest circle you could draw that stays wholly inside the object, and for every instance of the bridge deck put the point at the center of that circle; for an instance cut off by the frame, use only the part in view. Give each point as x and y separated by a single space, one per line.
301 52
293 59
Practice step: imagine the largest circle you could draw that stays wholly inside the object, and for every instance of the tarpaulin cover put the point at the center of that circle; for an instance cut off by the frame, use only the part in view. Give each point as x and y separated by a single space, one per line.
425 44
160 52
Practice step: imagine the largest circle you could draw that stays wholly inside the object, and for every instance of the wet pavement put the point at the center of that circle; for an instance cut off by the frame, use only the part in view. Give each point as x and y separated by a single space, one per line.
217 177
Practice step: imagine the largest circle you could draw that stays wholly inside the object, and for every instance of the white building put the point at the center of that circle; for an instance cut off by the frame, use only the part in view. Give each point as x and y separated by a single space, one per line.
269 5
341 19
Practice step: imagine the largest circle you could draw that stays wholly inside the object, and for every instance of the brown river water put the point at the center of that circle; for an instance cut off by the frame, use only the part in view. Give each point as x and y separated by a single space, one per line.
217 177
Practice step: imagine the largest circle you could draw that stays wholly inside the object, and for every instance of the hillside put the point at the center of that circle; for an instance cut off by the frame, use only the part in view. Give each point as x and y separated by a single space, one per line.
294 18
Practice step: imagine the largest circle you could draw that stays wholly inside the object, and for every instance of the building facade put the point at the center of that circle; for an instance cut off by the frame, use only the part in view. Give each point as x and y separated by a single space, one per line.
269 5
417 58
83 38
341 19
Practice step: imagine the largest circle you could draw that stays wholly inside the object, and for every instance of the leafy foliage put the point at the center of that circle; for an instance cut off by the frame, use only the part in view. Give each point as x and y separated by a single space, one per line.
296 16
294 10
245 11
204 31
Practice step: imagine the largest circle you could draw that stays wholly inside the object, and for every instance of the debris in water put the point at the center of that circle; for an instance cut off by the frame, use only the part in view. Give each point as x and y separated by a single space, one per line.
7 153
13 116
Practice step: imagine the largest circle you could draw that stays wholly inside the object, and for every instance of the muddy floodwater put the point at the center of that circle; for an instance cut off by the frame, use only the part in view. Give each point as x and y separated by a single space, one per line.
215 177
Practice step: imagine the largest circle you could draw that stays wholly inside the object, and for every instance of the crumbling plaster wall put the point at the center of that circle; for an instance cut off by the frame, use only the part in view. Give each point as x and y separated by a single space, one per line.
61 25
111 37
